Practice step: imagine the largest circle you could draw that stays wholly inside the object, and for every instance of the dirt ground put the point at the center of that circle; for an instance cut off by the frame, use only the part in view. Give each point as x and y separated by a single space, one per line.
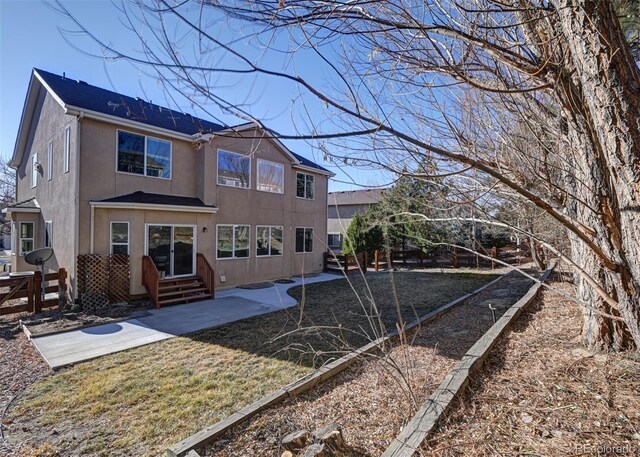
542 393
20 366
372 400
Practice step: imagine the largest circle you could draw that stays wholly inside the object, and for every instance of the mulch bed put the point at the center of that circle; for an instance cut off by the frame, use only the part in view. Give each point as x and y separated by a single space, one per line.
372 400
57 320
20 366
542 393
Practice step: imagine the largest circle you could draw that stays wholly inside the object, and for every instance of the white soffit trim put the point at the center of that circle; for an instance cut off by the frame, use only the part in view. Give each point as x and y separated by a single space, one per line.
313 170
154 207
74 111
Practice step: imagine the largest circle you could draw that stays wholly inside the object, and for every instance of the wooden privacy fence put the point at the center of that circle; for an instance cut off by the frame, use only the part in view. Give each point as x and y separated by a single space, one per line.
454 257
345 262
103 279
29 285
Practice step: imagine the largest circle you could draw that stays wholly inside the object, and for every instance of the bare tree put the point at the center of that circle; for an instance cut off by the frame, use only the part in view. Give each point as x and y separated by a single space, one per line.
541 97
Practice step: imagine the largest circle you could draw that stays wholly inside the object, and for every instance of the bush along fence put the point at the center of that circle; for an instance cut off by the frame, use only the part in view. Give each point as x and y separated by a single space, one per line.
454 257
30 285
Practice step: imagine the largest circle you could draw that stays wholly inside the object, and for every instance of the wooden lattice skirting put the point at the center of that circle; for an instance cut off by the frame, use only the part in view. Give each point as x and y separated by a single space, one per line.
103 279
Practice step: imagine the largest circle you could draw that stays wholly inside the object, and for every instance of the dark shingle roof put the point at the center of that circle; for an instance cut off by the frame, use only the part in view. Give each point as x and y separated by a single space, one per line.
157 199
83 95
355 197
28 203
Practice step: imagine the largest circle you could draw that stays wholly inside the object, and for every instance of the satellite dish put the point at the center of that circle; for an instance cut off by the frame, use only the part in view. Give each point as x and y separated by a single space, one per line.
39 257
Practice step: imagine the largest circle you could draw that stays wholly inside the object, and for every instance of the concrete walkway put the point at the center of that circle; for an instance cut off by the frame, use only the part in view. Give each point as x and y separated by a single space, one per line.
230 305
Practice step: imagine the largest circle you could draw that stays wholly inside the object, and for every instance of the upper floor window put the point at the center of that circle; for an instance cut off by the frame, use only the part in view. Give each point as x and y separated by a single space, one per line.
50 161
234 169
304 185
67 149
268 240
26 237
232 241
144 155
270 176
34 170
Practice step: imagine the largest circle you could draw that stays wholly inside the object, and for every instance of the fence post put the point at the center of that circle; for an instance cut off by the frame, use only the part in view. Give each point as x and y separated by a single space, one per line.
37 291
494 255
421 258
324 261
376 260
30 303
454 258
62 287
365 264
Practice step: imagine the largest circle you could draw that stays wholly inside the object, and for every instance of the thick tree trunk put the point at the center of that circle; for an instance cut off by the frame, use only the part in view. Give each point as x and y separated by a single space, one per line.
601 101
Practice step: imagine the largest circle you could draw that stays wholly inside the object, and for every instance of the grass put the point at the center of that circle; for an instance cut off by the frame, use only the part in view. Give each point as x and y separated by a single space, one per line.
141 401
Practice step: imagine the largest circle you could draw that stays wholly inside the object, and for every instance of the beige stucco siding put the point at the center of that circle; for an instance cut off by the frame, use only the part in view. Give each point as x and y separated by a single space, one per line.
56 197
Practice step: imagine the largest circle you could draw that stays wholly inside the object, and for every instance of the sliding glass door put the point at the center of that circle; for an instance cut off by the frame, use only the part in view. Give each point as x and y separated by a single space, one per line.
172 249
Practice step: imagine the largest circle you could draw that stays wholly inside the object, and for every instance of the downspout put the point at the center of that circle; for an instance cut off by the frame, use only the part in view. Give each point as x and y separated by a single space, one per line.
76 247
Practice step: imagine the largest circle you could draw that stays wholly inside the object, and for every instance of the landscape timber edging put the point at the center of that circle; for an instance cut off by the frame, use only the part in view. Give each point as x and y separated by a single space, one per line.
209 434
425 420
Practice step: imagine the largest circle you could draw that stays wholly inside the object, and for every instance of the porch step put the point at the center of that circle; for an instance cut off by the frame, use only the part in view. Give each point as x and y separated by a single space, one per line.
181 290
190 298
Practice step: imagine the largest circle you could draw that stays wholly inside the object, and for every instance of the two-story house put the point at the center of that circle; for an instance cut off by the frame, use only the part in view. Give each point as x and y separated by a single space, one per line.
99 172
342 207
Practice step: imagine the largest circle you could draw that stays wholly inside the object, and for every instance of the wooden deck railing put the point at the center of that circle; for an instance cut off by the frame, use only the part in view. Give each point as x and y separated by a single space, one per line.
151 279
344 262
206 273
29 286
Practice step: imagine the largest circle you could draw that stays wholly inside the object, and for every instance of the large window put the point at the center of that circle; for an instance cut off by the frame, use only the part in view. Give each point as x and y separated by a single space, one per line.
234 169
119 238
26 237
270 176
67 149
144 155
304 239
34 170
268 240
50 161
232 241
304 186
48 234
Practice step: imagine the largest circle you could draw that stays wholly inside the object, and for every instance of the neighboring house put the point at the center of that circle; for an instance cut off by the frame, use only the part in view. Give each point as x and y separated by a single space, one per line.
99 172
343 206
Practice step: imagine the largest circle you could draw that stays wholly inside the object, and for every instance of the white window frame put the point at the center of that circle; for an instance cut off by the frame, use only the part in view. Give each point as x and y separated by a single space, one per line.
269 162
48 234
67 149
34 170
305 185
112 244
50 161
219 150
233 241
295 241
14 238
146 139
270 227
21 239
334 234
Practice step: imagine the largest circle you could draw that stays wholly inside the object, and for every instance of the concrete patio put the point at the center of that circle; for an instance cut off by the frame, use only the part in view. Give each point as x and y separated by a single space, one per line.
230 305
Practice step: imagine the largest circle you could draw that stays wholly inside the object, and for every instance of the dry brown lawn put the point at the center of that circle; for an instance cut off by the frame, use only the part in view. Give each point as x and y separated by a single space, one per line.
139 402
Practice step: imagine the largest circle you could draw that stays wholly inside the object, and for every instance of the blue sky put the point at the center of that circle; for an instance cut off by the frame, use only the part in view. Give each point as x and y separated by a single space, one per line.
29 37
